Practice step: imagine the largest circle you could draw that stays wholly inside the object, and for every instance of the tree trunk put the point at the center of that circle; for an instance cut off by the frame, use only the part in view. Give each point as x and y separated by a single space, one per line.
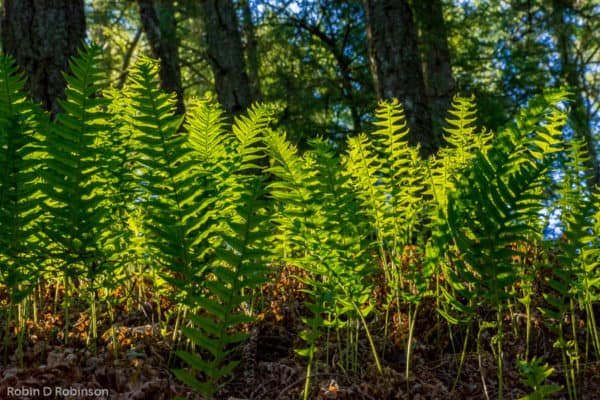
160 26
580 120
251 50
396 66
437 68
226 56
42 36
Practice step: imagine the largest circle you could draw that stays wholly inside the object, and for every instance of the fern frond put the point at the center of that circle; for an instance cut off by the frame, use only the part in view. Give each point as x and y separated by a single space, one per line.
19 189
77 173
498 204
464 141
315 222
362 165
401 175
176 208
238 267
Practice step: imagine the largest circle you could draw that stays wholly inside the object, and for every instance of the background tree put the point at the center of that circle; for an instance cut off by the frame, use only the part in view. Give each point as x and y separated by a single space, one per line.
251 48
311 57
396 65
226 56
435 53
42 36
160 26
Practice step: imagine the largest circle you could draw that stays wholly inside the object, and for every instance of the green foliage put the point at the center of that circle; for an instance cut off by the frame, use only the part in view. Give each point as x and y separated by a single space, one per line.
493 212
19 188
239 263
498 201
316 227
534 374
463 142
204 207
76 172
165 175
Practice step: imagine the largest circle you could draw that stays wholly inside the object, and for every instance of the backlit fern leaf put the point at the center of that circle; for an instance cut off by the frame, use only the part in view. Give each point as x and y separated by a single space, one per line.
401 175
19 194
463 142
76 177
498 203
239 265
362 165
577 274
165 169
315 222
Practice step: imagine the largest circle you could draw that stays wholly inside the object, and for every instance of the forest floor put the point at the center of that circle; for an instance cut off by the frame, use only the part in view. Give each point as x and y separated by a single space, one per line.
270 369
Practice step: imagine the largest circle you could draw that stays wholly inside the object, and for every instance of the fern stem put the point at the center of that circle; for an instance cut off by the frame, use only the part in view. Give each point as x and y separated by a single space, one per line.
500 354
370 338
20 333
34 301
479 361
574 332
308 372
66 305
113 331
463 354
176 327
570 383
411 327
527 329
593 328
94 321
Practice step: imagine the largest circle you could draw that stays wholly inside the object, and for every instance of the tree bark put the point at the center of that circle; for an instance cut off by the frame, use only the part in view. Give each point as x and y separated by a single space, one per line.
226 56
251 50
437 68
160 27
396 66
42 36
570 76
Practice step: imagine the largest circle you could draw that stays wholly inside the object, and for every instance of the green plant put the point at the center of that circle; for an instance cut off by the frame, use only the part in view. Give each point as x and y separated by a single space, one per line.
315 224
575 277
497 205
239 264
389 178
19 193
174 213
579 244
75 180
446 171
119 190
534 374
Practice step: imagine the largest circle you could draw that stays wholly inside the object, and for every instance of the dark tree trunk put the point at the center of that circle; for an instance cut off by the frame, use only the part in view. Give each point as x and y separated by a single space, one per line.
160 26
226 56
437 68
570 76
251 50
42 36
396 65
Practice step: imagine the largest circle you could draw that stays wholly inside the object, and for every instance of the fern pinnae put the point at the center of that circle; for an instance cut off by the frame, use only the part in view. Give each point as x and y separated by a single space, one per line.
164 162
578 279
498 204
76 179
19 201
315 220
239 262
